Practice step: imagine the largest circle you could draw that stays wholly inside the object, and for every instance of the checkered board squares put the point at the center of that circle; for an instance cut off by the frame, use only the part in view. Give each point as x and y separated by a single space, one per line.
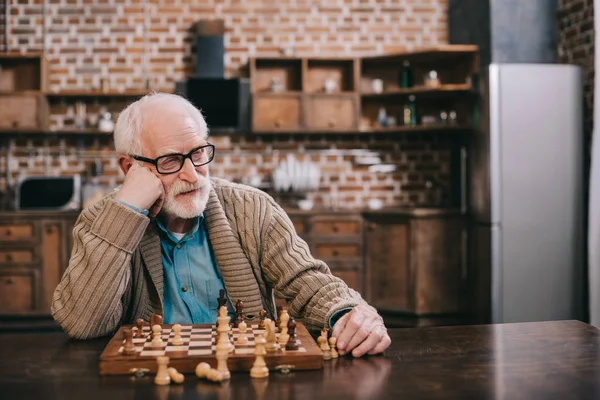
197 341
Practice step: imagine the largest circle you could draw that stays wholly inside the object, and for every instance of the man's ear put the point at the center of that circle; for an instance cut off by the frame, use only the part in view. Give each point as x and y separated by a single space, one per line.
125 163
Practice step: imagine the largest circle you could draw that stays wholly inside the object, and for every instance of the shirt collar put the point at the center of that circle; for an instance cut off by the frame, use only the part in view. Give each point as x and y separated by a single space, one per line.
197 221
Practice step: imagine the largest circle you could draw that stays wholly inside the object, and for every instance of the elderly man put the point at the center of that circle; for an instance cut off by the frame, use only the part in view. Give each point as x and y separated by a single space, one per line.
171 238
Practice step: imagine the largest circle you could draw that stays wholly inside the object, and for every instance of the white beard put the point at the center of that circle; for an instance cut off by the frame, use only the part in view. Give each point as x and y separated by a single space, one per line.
189 207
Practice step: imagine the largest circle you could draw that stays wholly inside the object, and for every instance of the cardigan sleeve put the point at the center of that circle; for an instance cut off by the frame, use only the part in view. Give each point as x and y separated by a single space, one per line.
313 294
87 301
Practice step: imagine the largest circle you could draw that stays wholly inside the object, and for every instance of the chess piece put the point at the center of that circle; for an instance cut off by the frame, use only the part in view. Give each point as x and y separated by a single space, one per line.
129 348
259 368
283 327
222 299
156 319
175 375
156 339
223 345
140 328
202 369
261 323
162 375
292 343
177 340
239 310
271 336
277 317
242 339
324 345
214 375
333 345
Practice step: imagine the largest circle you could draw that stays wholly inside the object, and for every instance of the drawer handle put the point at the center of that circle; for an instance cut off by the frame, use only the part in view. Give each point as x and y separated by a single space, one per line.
336 253
8 232
9 257
335 228
331 123
8 281
50 230
278 123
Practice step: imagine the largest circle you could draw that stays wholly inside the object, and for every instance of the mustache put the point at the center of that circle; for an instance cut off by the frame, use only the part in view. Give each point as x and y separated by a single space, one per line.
184 187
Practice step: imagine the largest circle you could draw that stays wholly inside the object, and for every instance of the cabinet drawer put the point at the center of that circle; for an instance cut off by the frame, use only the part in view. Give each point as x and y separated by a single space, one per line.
16 256
331 112
331 227
16 232
342 250
17 292
272 112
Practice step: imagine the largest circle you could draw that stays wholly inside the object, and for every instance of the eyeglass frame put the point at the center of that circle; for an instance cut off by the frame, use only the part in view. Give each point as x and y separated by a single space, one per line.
185 156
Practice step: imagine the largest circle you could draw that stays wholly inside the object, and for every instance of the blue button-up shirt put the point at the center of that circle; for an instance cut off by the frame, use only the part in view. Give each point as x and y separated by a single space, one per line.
192 280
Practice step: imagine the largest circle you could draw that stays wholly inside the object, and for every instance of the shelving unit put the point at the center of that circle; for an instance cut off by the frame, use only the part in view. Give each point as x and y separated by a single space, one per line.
336 95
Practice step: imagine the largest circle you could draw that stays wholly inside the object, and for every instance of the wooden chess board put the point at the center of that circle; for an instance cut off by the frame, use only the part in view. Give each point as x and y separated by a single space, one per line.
199 342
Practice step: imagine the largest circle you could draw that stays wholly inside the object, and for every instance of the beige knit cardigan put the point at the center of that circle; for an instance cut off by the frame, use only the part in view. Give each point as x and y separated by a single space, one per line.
115 274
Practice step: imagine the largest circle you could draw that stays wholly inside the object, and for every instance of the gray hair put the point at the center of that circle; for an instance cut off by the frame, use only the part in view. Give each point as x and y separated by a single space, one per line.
130 122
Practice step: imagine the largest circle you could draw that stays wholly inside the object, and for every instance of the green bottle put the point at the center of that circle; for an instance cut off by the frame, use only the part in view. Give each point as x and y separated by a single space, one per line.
410 113
406 76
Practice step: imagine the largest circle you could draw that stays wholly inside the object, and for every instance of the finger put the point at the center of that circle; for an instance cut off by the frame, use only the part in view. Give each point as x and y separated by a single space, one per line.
371 341
339 325
361 334
157 206
383 344
353 324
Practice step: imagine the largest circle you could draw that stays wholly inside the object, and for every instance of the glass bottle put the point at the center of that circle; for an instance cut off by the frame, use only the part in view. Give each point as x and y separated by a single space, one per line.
410 113
406 76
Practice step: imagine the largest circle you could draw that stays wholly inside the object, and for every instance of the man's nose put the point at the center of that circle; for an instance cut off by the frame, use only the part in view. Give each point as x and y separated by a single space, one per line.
188 172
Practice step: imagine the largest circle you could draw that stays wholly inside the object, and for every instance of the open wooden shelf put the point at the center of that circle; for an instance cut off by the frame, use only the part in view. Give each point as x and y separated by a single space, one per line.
98 93
449 88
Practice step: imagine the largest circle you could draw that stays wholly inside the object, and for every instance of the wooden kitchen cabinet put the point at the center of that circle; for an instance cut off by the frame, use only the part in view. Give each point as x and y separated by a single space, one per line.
416 267
337 239
273 112
35 250
331 112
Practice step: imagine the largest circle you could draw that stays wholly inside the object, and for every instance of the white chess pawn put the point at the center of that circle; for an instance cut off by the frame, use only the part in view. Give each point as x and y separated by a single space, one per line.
177 340
283 328
162 374
242 339
156 339
259 368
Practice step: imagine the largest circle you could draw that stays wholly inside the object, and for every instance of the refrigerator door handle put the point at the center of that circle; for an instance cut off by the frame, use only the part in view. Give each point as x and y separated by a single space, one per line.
464 257
463 180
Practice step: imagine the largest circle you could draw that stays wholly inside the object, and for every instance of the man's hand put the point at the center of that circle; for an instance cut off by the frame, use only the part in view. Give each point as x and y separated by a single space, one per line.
361 331
142 189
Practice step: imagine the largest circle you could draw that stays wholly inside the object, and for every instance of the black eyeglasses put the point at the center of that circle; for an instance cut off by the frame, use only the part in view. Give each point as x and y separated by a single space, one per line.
171 163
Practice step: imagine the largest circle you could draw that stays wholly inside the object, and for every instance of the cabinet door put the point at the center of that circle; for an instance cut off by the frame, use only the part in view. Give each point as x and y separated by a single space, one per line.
389 280
18 291
275 112
52 260
439 256
331 112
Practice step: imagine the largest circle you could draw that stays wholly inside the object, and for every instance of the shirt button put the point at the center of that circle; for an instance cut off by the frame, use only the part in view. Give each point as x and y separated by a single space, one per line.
179 246
184 289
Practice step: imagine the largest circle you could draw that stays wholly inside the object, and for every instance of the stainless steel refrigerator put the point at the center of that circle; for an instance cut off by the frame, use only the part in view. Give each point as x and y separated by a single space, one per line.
526 182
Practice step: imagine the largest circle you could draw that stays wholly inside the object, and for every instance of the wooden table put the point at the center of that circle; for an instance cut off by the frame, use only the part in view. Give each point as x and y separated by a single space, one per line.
544 360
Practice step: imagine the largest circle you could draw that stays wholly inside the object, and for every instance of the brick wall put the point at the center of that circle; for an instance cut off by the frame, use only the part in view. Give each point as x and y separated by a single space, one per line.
136 44
576 46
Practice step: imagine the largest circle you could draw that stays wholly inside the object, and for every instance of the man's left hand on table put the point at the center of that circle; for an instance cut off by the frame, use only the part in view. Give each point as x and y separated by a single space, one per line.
361 331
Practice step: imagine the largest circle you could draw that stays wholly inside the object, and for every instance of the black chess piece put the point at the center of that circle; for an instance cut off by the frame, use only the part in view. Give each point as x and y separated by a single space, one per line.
292 343
222 299
239 310
261 324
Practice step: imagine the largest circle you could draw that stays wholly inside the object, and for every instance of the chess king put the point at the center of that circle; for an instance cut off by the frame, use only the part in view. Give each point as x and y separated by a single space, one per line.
171 237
